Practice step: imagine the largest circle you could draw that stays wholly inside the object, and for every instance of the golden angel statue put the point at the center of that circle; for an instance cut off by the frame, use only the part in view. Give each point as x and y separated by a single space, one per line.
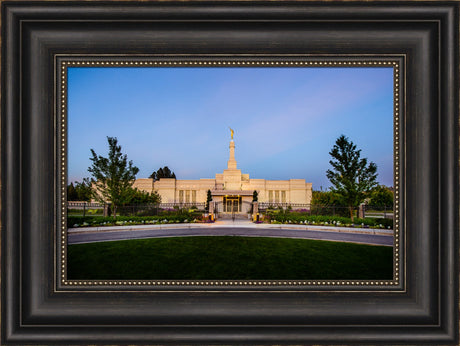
231 132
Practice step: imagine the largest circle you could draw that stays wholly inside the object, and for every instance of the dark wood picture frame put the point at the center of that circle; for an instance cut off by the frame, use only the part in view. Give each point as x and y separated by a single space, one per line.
422 308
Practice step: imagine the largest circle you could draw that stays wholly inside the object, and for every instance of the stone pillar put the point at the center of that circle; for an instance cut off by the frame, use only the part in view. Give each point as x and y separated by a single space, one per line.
231 164
211 207
361 213
255 210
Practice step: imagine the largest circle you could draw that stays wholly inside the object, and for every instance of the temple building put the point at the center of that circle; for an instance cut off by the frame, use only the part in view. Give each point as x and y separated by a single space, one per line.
232 190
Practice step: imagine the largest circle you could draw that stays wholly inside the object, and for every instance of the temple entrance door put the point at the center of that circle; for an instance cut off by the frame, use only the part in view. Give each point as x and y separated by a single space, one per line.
232 204
229 205
235 206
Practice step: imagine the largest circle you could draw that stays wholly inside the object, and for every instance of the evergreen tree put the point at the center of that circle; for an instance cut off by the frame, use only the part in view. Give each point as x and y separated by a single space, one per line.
83 190
164 172
255 196
351 176
112 176
208 199
71 193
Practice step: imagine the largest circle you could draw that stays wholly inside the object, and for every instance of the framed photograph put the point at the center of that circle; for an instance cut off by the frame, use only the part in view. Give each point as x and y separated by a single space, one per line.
181 221
224 121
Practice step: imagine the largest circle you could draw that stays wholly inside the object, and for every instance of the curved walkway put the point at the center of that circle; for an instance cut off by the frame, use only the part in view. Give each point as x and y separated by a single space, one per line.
231 228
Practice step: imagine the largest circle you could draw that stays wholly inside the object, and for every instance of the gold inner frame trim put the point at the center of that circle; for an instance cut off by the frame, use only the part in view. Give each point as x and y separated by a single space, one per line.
153 61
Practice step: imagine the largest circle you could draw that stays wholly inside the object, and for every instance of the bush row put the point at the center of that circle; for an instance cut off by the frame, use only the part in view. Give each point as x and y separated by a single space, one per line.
330 220
80 221
292 217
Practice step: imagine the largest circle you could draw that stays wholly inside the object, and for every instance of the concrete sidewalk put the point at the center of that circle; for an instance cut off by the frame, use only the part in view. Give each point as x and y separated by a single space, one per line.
231 224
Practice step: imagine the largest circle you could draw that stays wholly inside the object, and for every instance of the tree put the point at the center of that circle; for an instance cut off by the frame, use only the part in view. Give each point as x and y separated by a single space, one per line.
112 176
326 203
164 172
255 196
381 197
83 190
324 198
71 193
143 197
79 191
208 199
351 176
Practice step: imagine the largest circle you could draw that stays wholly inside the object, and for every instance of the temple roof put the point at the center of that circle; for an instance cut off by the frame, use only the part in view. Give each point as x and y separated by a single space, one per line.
232 192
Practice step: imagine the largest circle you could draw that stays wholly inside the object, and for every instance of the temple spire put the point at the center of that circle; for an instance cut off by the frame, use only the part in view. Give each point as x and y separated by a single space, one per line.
231 164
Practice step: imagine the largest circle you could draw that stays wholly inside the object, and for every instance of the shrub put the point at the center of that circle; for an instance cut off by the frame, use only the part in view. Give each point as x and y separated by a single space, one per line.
172 217
296 217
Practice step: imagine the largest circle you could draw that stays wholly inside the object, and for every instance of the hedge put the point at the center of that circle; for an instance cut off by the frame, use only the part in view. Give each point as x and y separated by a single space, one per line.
293 217
80 221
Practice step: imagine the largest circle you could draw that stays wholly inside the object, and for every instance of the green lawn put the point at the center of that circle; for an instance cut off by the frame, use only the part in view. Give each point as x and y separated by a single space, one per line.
220 258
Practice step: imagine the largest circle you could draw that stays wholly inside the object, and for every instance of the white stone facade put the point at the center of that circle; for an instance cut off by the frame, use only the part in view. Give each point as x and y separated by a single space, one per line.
231 186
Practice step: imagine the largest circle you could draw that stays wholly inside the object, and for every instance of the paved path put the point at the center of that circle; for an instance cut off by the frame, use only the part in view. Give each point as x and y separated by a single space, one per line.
229 228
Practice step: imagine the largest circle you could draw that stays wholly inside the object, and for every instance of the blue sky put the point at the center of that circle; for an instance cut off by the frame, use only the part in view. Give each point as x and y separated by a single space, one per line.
286 120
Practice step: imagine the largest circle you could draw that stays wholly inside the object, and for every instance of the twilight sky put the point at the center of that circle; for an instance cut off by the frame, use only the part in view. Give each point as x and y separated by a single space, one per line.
286 120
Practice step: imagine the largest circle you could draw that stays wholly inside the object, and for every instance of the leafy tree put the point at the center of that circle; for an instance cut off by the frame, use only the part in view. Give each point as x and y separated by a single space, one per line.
112 176
255 196
143 197
164 172
208 199
325 198
327 203
381 196
352 177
